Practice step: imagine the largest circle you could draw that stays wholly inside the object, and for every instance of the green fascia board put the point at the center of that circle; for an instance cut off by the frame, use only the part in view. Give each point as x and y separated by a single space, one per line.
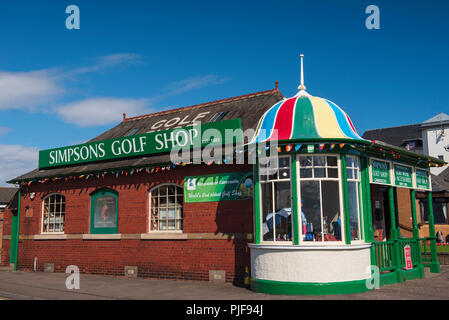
308 288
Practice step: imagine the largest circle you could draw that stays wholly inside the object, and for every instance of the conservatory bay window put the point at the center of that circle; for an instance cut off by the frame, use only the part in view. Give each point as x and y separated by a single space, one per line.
352 169
320 198
275 186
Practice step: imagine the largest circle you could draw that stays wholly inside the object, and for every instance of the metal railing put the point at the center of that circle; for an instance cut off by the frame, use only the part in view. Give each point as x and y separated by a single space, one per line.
389 255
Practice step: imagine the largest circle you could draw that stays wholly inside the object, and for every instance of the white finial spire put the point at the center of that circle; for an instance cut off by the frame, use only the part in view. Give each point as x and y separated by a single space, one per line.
302 86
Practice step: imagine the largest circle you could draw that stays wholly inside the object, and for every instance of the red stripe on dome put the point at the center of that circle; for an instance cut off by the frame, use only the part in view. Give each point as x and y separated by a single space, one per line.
284 119
350 123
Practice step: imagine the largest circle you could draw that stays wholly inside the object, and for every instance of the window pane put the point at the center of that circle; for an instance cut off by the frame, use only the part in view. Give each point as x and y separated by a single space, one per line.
284 162
331 210
349 173
305 173
332 161
282 218
353 210
319 172
284 173
332 173
319 161
305 161
267 211
311 211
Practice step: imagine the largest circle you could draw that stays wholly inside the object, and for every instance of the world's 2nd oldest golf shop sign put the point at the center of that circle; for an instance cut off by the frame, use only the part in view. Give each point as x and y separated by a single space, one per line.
422 179
194 136
218 187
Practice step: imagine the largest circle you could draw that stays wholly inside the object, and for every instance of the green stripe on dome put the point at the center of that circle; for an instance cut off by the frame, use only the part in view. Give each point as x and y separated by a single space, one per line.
304 120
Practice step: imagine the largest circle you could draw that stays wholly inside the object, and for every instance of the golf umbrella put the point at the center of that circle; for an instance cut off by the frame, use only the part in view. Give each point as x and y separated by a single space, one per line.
280 216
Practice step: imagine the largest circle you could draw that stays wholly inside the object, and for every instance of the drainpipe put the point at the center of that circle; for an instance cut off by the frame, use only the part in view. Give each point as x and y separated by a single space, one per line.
15 236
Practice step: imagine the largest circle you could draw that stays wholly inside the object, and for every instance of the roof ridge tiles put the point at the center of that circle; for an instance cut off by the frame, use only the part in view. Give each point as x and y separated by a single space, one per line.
237 98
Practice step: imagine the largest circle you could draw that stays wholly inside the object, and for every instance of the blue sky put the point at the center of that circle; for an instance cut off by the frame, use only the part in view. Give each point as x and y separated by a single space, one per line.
61 87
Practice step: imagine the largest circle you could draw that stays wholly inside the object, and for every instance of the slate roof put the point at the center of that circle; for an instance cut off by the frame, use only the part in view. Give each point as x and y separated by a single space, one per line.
396 136
249 108
6 194
440 183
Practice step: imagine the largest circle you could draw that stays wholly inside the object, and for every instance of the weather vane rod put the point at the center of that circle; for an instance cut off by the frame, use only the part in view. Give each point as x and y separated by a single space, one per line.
302 86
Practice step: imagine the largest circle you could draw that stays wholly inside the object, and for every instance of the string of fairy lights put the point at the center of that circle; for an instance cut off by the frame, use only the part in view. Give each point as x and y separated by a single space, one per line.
373 148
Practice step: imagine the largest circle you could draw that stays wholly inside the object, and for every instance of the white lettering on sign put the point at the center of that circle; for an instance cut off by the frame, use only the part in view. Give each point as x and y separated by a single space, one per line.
176 121
74 154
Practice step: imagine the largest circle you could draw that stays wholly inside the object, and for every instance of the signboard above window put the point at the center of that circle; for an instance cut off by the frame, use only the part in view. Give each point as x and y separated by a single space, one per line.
398 175
143 144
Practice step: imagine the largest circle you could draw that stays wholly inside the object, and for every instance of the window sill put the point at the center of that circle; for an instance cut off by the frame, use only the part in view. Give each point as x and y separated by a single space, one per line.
309 247
49 236
116 236
163 236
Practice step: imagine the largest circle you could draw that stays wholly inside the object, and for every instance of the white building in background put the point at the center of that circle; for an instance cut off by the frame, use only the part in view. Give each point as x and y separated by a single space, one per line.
435 139
430 137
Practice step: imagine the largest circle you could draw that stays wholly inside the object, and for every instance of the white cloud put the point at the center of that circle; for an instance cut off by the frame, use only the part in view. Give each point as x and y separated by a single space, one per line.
101 111
27 89
194 83
4 130
108 61
15 160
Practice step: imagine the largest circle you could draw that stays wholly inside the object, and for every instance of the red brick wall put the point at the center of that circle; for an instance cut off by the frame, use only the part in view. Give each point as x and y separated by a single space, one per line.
182 259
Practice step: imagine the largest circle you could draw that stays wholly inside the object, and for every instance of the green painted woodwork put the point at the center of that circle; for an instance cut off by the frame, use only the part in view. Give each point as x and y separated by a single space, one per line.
257 211
308 288
414 220
15 232
366 197
344 180
103 230
393 228
295 191
434 264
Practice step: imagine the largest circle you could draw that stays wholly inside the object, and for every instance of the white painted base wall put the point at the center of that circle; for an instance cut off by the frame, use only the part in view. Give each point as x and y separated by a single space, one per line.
310 264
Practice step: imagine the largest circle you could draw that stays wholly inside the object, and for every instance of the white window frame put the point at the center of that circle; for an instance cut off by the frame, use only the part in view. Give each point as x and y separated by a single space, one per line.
150 215
359 196
43 213
266 181
340 187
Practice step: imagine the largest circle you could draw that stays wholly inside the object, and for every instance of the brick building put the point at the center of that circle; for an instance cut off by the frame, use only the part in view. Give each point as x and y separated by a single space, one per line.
284 187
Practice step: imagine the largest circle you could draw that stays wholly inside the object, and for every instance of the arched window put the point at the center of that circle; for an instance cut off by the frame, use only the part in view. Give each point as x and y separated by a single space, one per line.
53 213
166 203
104 212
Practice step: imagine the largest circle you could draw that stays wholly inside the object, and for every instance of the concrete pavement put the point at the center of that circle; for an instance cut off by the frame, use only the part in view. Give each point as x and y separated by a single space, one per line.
37 285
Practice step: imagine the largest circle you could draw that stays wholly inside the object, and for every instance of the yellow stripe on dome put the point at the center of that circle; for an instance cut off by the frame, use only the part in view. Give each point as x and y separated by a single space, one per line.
325 120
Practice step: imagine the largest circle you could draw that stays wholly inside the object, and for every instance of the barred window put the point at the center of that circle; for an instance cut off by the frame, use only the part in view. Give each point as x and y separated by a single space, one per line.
166 203
53 213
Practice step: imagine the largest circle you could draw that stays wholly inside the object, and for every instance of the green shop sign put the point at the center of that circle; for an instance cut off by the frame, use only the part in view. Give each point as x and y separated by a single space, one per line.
380 172
403 176
422 179
218 187
195 136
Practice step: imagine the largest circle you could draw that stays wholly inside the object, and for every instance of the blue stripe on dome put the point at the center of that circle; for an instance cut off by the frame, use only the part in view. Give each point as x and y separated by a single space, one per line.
342 121
268 123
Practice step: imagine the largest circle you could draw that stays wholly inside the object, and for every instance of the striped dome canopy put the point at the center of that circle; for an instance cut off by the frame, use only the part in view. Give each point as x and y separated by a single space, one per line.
304 117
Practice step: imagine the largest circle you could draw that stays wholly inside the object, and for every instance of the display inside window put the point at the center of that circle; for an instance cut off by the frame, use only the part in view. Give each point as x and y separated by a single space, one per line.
275 186
166 204
53 213
104 213
320 198
440 210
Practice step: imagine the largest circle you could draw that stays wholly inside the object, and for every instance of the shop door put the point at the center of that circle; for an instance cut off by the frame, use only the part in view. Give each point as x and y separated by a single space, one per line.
380 212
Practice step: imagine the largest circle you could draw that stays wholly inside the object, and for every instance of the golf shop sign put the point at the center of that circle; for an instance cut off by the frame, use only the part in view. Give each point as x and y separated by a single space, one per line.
218 187
195 136
398 175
